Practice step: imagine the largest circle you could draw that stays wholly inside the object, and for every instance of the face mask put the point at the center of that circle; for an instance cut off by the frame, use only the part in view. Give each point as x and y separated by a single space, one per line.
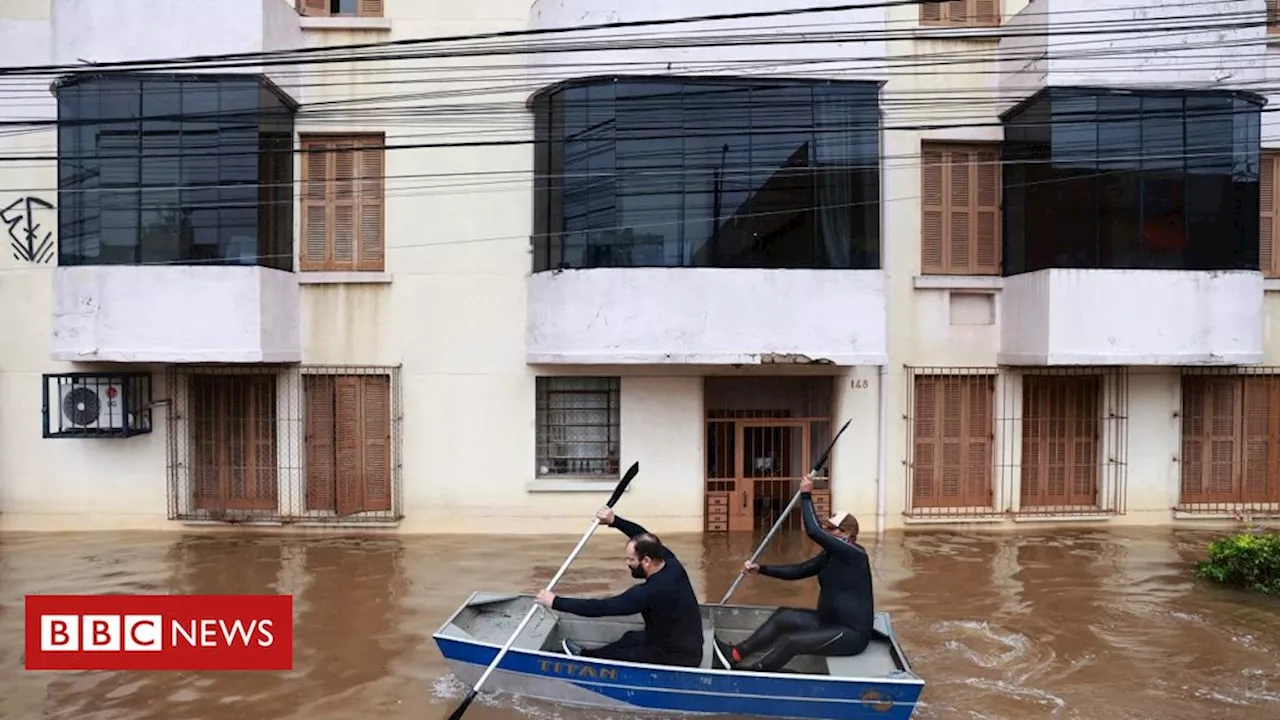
637 572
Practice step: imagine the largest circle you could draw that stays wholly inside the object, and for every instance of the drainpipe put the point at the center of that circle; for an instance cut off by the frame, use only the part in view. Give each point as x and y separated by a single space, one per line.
882 451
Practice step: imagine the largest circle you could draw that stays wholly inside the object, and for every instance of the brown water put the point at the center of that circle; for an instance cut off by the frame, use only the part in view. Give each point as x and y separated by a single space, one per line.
1067 624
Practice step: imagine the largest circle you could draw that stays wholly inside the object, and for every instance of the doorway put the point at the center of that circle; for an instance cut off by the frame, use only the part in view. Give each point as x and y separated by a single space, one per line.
763 435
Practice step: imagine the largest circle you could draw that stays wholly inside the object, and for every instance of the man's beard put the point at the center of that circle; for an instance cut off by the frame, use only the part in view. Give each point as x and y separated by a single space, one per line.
637 572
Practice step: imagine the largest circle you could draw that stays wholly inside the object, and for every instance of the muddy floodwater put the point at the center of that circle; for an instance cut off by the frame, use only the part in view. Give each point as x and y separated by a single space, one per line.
1077 624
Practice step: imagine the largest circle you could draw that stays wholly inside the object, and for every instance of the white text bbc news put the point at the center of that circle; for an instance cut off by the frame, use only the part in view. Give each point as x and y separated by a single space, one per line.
143 633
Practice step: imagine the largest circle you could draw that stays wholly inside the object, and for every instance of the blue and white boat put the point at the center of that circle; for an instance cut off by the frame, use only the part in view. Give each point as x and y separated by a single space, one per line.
878 684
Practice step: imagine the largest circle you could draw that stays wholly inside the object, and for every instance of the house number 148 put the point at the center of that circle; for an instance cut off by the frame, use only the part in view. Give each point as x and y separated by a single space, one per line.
860 384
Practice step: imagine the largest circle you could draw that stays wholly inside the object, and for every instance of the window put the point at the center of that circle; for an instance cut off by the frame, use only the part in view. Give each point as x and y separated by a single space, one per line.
1230 439
578 421
1273 16
961 13
352 8
235 465
1268 230
348 443
960 195
343 203
1060 441
666 172
174 169
953 434
1132 180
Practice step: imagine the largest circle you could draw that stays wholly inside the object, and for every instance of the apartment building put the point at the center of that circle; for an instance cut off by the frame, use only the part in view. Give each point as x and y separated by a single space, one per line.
338 270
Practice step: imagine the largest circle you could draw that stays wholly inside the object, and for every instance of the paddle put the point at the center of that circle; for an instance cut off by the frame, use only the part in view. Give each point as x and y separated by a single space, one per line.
786 511
595 522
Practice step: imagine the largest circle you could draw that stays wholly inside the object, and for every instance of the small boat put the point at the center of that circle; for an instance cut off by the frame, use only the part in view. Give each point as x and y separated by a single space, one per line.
878 683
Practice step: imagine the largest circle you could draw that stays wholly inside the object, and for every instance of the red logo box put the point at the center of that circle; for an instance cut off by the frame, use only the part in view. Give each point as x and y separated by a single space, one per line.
159 632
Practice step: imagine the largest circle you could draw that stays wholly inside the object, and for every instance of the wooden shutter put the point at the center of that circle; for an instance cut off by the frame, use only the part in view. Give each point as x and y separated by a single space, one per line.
343 216
319 392
363 430
1060 441
314 8
1269 248
234 437
960 200
370 8
961 13
953 435
316 172
1260 461
1273 15
1210 458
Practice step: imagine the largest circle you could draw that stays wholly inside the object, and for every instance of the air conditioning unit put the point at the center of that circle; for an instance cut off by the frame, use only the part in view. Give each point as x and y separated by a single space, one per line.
92 404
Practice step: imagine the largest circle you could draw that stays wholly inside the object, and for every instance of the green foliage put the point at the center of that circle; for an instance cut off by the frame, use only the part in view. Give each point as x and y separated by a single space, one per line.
1247 560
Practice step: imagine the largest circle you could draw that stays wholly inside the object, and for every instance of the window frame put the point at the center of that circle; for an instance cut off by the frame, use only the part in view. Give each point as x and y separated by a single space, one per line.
608 386
365 256
938 250
977 13
322 8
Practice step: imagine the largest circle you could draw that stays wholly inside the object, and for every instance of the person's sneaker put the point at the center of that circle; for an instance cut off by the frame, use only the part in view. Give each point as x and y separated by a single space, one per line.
570 647
724 651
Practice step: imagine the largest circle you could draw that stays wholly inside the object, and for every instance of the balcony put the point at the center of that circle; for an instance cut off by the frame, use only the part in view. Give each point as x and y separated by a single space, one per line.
142 30
712 316
176 314
1132 317
1142 44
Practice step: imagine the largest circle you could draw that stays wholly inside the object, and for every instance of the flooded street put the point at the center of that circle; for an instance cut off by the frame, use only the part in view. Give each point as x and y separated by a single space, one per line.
1078 624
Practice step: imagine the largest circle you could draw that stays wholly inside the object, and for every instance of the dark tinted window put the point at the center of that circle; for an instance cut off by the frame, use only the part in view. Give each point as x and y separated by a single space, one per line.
1156 180
708 173
162 169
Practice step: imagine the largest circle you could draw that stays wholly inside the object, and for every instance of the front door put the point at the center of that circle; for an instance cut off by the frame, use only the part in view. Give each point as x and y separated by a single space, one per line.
771 462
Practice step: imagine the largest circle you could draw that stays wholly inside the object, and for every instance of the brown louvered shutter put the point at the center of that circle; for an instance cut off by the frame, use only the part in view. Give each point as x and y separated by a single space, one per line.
924 465
1273 15
1260 481
985 252
375 420
314 8
959 201
316 173
321 448
1060 441
350 442
1211 421
979 440
261 484
343 244
1268 249
370 8
931 12
958 12
372 207
986 12
932 235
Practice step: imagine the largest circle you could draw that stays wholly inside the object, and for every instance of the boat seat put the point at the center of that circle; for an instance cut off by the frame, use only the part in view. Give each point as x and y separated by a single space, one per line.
875 661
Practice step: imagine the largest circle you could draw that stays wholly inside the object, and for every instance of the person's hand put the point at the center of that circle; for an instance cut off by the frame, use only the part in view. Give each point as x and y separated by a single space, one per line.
545 598
605 515
750 568
806 485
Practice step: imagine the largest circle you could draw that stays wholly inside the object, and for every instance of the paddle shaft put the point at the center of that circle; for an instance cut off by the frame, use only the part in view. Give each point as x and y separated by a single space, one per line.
595 523
785 512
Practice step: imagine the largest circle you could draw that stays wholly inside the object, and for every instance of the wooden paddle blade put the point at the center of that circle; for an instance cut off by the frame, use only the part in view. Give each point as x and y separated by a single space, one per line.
622 486
457 714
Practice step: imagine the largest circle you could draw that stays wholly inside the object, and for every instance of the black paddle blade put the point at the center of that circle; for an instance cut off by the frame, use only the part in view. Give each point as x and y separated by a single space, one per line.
457 714
622 485
827 453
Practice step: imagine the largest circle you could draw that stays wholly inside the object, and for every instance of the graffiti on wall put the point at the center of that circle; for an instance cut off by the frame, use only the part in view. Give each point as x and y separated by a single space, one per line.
30 229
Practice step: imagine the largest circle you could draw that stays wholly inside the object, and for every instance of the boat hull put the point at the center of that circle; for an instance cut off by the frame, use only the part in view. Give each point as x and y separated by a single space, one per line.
611 685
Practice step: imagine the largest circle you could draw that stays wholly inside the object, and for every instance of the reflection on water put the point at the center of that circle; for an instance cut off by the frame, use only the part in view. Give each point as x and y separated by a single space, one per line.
1086 625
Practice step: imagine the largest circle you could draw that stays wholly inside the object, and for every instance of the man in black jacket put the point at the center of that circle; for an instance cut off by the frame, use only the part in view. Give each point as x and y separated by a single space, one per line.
672 632
842 623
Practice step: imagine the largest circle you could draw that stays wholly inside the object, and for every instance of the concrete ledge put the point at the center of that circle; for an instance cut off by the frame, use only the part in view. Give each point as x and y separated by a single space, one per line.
344 278
958 282
345 23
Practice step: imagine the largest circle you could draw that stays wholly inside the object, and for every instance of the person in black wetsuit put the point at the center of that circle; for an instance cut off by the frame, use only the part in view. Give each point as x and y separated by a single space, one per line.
672 632
842 623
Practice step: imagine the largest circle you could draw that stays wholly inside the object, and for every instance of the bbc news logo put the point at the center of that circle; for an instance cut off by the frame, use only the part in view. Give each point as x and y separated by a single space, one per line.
159 632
